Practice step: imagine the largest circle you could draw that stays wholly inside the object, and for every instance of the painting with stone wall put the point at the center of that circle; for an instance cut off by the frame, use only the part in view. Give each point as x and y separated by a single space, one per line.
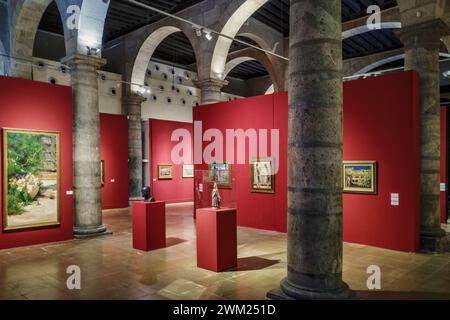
31 177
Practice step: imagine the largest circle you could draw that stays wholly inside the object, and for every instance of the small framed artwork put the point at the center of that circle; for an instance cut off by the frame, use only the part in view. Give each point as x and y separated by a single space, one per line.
262 179
102 172
360 177
221 174
165 172
188 170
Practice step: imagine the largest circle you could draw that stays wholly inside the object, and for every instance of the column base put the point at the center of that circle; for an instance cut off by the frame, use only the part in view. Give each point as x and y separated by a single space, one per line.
436 240
288 291
90 232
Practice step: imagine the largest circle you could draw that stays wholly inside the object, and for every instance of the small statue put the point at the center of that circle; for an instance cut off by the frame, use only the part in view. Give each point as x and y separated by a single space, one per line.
216 197
147 194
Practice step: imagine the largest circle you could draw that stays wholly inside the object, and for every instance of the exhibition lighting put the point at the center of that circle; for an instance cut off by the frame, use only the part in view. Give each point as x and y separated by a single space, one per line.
211 32
446 74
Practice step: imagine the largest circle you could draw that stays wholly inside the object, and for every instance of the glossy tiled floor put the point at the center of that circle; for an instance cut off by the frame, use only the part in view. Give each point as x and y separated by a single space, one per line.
111 269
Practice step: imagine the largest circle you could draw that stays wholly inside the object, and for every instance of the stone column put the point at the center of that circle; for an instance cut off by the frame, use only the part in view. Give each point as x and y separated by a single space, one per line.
422 43
314 235
133 104
86 145
210 89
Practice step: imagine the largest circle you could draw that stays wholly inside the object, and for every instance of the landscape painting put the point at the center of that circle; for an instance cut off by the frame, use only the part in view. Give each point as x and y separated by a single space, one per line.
31 179
221 174
165 172
360 177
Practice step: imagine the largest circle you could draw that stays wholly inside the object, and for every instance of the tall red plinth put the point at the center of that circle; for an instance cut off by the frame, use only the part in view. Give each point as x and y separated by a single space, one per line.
216 239
149 225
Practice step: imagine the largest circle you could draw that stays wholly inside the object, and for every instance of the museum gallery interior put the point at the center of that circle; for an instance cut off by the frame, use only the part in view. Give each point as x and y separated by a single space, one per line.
224 149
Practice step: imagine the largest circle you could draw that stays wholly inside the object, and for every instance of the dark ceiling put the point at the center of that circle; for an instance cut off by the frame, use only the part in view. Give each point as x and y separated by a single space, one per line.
123 18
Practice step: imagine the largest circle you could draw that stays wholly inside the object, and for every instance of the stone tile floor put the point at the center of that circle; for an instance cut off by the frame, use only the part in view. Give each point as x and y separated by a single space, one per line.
111 269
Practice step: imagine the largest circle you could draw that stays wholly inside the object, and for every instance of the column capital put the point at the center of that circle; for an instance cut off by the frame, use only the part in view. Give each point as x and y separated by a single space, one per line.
427 34
210 82
134 98
81 59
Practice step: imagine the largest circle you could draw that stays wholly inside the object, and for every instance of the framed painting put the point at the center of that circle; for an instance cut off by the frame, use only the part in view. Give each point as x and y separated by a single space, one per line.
262 179
102 172
31 179
188 170
165 172
360 177
221 174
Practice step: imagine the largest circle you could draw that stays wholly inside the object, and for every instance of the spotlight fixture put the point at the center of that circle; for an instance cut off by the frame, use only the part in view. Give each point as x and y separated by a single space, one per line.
92 51
208 34
446 74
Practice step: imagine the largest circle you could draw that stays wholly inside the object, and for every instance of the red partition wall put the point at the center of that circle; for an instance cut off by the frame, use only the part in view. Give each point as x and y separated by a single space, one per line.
381 122
114 152
33 105
178 189
256 210
444 164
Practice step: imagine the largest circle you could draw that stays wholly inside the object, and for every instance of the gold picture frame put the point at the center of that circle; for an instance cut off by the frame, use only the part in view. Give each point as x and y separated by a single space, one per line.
34 186
165 172
102 172
262 179
360 177
188 171
221 173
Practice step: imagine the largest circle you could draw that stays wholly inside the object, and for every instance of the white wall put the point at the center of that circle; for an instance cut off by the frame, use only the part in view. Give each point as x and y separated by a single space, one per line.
166 82
109 86
177 87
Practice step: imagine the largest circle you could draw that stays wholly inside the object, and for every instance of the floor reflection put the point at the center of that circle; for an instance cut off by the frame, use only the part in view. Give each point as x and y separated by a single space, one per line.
111 269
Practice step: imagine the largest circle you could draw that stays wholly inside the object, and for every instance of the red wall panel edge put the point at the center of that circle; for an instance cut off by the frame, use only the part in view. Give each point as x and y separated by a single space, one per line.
114 151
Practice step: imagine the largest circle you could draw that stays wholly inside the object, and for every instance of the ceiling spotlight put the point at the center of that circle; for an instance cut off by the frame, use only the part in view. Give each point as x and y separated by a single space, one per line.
92 51
446 74
208 35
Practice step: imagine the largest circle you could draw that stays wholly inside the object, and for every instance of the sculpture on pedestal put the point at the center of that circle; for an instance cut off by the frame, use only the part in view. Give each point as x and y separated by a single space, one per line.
216 197
147 194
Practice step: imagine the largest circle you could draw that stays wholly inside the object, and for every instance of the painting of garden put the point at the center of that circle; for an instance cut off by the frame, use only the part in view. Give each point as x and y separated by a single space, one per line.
31 179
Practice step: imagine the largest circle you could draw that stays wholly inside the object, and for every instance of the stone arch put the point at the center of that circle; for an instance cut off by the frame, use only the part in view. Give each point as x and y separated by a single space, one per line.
91 26
27 15
241 12
270 90
384 61
363 29
234 63
275 71
152 39
250 54
26 18
3 59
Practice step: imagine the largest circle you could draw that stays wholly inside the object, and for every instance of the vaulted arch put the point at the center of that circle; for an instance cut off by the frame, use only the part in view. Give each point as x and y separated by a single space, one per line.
384 61
242 11
83 23
155 36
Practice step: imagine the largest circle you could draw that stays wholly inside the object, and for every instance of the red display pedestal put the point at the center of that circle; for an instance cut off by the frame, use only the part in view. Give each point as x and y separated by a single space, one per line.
149 225
216 239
